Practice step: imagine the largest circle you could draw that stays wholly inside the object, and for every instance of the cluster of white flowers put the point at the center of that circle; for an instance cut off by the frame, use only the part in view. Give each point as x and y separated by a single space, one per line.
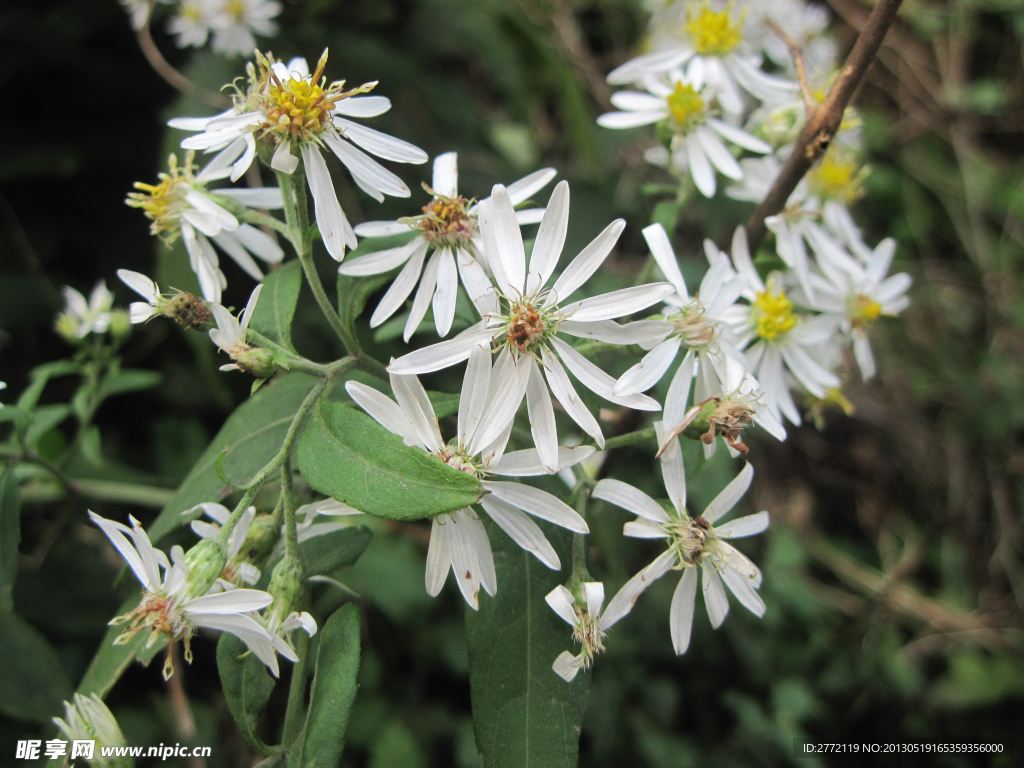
229 25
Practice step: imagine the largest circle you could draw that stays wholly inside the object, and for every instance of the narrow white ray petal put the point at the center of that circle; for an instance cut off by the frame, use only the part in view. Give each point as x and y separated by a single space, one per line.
382 228
139 283
499 217
145 549
550 238
598 381
114 532
438 556
384 411
743 526
140 312
739 137
478 284
542 420
473 399
503 401
881 259
715 600
425 292
196 123
634 101
446 293
566 394
402 285
362 165
522 530
741 258
593 592
561 601
681 613
719 156
263 197
631 499
862 353
333 507
586 263
250 307
659 61
700 168
235 601
529 216
649 370
521 191
380 144
440 355
488 249
732 493
413 400
283 159
744 591
672 470
567 666
679 392
465 564
538 503
623 601
230 245
476 535
661 248
811 375
380 261
330 219
642 528
446 175
624 301
639 332
526 463
363 106
259 243
624 120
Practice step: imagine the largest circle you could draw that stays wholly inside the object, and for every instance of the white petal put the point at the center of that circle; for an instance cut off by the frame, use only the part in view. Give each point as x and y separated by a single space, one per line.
642 528
259 243
714 595
334 227
283 159
264 197
498 218
526 463
402 286
732 493
382 228
562 602
718 154
624 120
743 526
363 166
384 411
502 405
250 307
672 470
862 353
539 503
413 400
550 238
679 392
624 301
438 557
115 532
542 419
380 144
626 597
593 592
230 245
446 293
428 282
587 262
631 499
567 666
446 175
639 332
440 355
380 261
473 399
661 248
739 137
478 285
235 601
139 283
700 168
363 106
598 381
520 191
634 101
522 530
465 562
477 536
744 591
681 613
649 370
565 393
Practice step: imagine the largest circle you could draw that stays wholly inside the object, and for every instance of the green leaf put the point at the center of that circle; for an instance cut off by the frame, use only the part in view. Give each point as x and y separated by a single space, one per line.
331 551
247 686
45 419
524 715
10 535
353 292
129 380
34 684
40 377
252 435
347 455
334 690
90 446
276 307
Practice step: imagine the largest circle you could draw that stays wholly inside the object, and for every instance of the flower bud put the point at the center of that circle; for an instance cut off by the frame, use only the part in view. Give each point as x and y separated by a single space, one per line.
287 584
120 325
205 563
257 362
261 537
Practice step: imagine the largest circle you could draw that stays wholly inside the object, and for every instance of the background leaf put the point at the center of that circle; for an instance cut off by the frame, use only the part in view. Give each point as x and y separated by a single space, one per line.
10 535
247 686
524 715
334 690
276 307
326 553
347 455
34 684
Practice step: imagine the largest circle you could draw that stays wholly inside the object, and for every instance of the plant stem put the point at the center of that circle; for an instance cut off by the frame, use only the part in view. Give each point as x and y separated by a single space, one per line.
295 714
173 76
630 438
291 530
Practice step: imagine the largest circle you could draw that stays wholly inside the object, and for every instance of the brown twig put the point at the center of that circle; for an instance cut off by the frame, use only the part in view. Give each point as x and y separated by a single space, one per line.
798 62
173 76
824 121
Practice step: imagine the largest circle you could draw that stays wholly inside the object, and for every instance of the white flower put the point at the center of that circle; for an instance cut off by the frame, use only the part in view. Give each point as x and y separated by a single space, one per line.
237 569
449 225
181 205
229 334
235 21
683 109
290 108
693 544
193 23
89 718
526 318
167 608
81 317
855 299
458 539
711 46
588 622
775 338
804 24
139 10
138 311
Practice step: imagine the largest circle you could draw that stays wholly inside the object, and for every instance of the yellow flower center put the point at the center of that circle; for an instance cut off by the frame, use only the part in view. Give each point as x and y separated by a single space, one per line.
773 313
715 33
236 10
526 324
836 178
446 221
163 203
864 310
686 107
192 12
689 538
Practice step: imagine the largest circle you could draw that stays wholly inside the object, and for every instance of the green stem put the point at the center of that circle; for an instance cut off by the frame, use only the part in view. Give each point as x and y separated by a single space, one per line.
291 529
292 361
295 714
630 438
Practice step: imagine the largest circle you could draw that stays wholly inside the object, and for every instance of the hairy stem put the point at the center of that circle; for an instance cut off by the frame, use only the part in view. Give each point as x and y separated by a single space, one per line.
295 714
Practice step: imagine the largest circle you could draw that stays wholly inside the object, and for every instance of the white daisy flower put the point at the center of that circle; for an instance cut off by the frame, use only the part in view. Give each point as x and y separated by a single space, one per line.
458 540
237 570
683 112
235 21
167 607
711 46
588 622
854 300
449 225
775 338
138 311
88 718
180 205
694 544
292 110
193 22
81 317
229 334
804 24
525 319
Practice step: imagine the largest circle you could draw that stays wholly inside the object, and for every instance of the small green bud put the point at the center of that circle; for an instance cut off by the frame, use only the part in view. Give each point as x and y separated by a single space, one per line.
67 328
257 362
287 585
260 539
120 325
205 562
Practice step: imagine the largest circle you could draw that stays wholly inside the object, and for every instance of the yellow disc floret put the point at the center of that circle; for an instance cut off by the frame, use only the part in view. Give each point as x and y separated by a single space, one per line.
686 107
446 220
236 10
838 177
714 33
773 313
164 203
863 310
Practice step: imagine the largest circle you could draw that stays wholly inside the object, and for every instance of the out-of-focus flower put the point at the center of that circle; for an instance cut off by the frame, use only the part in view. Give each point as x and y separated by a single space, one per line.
234 22
81 317
89 718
